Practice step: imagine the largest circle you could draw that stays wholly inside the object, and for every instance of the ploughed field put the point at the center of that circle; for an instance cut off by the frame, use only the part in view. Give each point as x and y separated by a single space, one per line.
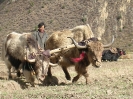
114 80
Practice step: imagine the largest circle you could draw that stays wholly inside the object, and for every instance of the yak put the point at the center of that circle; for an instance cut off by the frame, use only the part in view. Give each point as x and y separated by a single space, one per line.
21 51
112 54
90 52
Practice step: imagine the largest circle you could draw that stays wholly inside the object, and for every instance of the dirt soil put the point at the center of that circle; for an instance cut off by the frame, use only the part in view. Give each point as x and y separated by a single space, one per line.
114 80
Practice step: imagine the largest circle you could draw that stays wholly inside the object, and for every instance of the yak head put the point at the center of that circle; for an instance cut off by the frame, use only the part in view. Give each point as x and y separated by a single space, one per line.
93 49
121 51
30 47
36 56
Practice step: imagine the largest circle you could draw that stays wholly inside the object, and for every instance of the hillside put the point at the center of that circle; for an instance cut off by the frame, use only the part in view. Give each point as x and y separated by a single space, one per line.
106 17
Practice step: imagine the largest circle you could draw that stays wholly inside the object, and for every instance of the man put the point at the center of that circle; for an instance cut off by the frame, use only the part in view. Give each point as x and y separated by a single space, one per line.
41 38
40 35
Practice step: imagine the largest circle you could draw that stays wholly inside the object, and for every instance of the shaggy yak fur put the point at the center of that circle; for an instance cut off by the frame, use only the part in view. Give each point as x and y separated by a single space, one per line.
90 55
112 54
19 51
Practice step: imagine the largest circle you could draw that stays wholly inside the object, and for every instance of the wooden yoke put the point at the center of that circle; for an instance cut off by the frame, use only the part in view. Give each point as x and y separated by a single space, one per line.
61 49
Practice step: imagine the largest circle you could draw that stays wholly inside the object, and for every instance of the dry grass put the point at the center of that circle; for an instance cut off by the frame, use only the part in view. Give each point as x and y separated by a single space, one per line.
114 80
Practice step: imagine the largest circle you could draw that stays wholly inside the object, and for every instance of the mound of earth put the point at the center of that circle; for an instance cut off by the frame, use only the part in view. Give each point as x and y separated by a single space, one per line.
9 86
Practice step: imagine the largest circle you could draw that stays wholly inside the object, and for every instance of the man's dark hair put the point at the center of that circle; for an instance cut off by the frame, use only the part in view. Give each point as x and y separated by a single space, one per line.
41 24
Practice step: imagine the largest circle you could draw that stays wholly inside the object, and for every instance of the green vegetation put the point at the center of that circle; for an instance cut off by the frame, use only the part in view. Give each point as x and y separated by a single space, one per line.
63 7
36 28
51 21
83 19
118 17
0 29
31 4
29 11
129 44
120 30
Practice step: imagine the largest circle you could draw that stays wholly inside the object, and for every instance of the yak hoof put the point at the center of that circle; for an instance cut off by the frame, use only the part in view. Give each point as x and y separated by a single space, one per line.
68 78
74 80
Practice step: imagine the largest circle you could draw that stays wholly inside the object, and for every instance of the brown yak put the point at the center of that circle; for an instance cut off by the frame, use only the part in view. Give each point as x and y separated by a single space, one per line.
90 52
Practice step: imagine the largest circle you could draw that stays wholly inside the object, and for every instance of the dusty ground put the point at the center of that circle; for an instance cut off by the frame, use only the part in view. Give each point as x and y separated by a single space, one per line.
114 80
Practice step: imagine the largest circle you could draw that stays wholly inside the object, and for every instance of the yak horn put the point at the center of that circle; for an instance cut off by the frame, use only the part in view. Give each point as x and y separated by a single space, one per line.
76 44
108 45
53 65
31 60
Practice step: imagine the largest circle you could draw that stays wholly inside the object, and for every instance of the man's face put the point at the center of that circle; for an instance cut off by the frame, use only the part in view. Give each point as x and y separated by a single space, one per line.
42 29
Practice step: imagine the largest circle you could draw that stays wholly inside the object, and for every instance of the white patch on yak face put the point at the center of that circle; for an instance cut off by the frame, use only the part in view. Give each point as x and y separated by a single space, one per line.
96 54
45 66
44 63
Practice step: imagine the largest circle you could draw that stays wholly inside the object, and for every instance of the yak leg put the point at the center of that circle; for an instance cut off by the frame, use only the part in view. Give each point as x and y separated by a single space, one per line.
49 72
9 66
86 75
29 77
67 75
18 70
64 63
9 70
76 78
52 60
